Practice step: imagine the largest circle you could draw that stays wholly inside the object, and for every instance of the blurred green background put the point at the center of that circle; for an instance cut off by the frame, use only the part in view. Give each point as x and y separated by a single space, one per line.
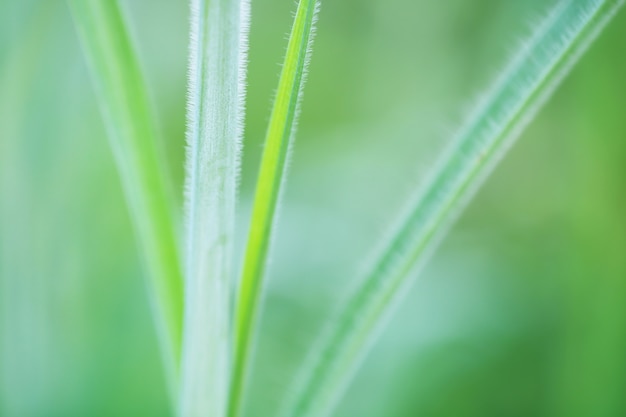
522 312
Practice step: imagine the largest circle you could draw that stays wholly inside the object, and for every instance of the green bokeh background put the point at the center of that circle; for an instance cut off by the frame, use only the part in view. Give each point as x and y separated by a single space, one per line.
522 312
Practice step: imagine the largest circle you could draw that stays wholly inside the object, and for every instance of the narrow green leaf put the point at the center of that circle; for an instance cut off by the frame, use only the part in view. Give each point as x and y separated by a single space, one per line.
496 122
122 96
280 134
218 50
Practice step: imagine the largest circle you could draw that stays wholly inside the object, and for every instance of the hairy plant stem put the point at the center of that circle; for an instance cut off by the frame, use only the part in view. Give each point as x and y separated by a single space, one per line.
497 120
218 48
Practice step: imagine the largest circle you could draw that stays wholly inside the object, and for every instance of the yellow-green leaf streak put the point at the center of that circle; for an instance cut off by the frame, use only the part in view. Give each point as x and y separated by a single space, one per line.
271 176
123 100
497 120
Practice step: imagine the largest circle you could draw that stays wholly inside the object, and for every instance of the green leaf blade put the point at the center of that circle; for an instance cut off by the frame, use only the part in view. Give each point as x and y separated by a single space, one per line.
497 121
218 50
281 129
123 100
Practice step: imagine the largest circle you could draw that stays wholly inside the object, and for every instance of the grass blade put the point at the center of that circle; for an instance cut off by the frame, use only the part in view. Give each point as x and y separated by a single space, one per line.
498 119
122 96
218 49
280 133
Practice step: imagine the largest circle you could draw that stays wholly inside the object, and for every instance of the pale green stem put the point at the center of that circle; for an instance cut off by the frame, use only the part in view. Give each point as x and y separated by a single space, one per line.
218 49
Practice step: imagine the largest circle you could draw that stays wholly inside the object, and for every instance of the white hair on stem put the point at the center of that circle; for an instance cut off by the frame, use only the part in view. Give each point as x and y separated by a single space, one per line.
492 126
215 114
